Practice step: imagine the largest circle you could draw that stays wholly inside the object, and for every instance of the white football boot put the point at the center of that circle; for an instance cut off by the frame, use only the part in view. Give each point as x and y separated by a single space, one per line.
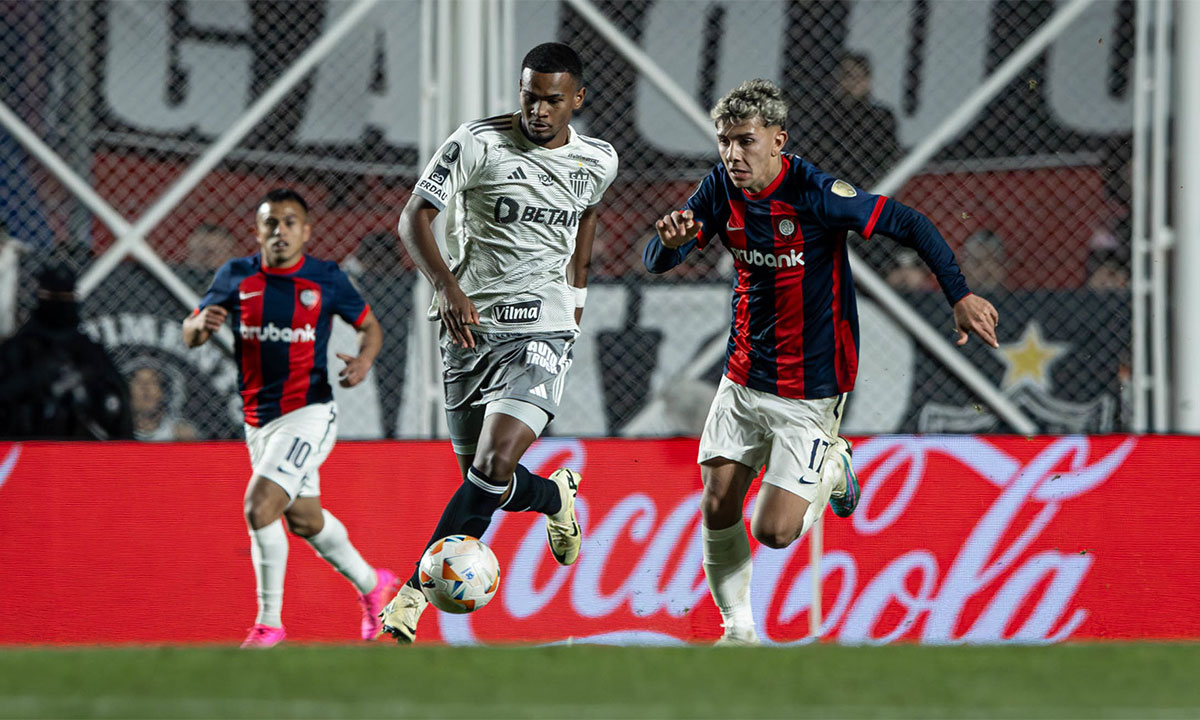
562 528
402 613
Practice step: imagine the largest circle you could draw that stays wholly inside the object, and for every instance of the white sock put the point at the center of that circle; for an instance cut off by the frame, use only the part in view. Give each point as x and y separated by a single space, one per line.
830 477
269 551
816 509
727 565
333 544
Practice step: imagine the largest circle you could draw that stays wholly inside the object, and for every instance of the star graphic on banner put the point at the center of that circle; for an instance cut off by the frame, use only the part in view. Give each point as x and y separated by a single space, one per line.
1028 360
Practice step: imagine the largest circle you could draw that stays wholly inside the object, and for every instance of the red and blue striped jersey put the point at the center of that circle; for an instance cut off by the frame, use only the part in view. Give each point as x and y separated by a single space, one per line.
794 331
281 325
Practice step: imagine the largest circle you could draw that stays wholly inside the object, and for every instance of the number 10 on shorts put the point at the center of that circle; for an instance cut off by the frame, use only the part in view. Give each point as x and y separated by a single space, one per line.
300 449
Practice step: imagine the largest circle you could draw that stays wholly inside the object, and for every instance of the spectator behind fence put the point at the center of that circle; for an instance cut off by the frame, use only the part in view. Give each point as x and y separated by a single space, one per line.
209 246
983 261
851 136
156 395
908 273
1107 269
377 254
865 153
55 382
1107 266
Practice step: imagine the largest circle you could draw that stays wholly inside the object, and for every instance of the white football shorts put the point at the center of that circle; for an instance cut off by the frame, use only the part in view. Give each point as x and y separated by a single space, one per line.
289 450
790 437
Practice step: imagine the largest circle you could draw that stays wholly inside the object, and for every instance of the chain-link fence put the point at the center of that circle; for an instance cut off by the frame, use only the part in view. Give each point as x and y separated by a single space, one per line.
1033 194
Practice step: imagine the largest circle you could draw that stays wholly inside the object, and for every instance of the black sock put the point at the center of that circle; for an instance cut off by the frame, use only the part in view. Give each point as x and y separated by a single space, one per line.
532 492
469 512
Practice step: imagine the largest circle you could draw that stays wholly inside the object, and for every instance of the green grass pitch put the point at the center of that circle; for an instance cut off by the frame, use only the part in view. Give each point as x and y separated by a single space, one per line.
328 681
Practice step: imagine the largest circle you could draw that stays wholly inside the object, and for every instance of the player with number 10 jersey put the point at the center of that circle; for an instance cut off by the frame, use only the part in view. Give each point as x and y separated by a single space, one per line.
281 303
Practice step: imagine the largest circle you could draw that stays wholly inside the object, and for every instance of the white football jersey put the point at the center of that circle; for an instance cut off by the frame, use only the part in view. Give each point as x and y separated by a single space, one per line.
512 211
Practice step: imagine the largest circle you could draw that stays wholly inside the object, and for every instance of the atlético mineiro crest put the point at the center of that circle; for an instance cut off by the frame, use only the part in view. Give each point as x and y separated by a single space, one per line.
580 182
309 297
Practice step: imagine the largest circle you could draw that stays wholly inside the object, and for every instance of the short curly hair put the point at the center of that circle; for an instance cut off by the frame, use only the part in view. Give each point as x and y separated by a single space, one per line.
555 57
753 98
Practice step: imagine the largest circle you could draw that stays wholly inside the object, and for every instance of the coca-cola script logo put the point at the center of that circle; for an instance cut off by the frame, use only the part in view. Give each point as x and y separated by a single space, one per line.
956 540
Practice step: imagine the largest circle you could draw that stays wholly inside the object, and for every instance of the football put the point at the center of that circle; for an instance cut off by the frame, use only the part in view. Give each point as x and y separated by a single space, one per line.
459 574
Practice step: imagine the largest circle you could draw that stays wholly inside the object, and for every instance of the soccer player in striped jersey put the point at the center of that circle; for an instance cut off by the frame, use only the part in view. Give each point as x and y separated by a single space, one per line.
282 303
793 342
520 192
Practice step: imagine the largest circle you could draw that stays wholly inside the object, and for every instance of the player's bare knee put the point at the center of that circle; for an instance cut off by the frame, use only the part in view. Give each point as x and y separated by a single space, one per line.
772 535
305 517
259 514
302 526
774 540
264 503
496 464
717 506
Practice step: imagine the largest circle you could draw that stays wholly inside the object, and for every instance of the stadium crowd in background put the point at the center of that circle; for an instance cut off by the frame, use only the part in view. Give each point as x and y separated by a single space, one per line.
868 150
56 382
982 260
376 254
156 396
209 247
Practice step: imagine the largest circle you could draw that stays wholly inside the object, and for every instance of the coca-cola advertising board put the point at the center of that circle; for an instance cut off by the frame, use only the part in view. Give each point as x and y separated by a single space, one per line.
958 539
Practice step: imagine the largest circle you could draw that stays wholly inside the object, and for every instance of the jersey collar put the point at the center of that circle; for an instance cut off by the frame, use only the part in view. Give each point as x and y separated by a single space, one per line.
282 271
787 165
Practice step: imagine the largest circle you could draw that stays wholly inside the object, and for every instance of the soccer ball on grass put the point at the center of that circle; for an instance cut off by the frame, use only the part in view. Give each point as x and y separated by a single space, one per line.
459 574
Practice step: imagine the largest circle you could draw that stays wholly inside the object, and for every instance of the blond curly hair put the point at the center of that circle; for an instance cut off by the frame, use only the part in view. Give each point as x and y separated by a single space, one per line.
753 98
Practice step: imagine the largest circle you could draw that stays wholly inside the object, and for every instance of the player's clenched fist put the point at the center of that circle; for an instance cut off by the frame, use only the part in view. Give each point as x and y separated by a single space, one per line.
677 228
213 317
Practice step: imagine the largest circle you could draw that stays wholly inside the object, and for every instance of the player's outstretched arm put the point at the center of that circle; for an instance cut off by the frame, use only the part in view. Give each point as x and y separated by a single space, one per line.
974 314
199 327
370 342
416 232
581 261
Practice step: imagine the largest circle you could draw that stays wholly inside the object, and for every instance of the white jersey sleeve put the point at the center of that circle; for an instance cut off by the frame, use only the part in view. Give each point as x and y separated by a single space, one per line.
452 169
610 173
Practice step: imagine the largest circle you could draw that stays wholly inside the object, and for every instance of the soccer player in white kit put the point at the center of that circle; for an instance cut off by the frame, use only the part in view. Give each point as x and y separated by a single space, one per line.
520 192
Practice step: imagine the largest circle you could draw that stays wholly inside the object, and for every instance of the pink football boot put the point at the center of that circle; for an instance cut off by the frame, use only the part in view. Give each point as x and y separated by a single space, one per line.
264 636
372 603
